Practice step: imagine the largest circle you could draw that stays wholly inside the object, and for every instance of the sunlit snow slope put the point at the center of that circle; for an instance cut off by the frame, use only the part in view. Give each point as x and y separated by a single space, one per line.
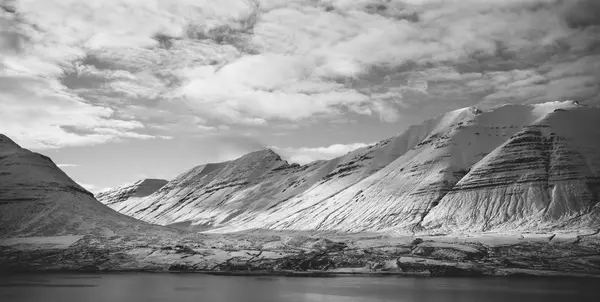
546 175
515 167
120 197
214 195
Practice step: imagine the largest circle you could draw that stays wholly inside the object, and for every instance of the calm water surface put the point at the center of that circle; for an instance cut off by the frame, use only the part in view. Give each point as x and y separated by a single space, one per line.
193 287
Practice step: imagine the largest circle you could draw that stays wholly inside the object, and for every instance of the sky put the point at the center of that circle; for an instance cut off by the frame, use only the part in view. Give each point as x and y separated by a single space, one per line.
119 90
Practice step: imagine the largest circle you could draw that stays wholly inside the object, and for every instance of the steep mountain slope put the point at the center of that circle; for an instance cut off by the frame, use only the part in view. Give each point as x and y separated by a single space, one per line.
118 198
211 193
214 195
38 199
401 196
313 209
513 167
546 175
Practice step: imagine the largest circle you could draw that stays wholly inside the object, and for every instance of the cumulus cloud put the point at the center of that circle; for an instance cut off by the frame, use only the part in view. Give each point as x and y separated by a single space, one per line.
89 187
39 113
67 165
96 71
306 155
94 189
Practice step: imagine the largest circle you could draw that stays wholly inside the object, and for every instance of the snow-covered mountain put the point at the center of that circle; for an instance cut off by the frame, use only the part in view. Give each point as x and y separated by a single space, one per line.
119 197
513 167
545 175
38 199
212 195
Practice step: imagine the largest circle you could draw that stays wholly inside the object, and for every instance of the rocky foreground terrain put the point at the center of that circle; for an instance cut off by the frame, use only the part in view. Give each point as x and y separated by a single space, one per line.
303 254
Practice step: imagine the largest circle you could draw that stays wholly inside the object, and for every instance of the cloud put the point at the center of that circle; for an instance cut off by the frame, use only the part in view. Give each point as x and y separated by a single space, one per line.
40 113
67 165
133 69
88 187
94 189
581 14
306 155
231 146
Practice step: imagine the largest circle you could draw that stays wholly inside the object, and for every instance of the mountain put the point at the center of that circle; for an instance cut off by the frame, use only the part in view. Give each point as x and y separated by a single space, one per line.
38 199
213 195
411 193
546 175
312 209
515 167
118 198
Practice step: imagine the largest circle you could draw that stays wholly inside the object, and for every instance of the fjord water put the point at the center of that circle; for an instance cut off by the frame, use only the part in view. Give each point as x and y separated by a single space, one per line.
193 287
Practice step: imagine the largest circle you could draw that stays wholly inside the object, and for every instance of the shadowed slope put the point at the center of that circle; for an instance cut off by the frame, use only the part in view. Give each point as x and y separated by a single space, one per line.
38 199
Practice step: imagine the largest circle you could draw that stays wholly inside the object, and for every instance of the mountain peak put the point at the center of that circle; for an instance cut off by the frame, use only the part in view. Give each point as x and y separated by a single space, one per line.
559 104
148 186
141 188
260 155
470 109
7 143
151 181
268 152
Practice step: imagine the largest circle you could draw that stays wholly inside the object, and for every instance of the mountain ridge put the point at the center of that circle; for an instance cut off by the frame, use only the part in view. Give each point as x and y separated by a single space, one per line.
6 143
38 199
393 185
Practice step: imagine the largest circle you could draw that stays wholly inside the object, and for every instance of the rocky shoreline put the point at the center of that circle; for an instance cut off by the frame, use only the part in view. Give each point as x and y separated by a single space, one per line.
307 256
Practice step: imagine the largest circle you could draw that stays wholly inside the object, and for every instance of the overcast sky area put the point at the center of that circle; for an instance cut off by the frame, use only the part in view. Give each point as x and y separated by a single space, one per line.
119 90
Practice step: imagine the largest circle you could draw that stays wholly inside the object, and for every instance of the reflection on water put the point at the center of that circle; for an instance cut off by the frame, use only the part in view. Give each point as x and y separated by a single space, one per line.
194 287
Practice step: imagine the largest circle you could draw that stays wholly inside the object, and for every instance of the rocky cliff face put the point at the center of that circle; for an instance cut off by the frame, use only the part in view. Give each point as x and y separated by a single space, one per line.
37 198
515 167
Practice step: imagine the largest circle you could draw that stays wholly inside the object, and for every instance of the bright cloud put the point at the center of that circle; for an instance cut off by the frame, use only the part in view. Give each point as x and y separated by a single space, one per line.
67 165
88 187
307 155
78 72
39 113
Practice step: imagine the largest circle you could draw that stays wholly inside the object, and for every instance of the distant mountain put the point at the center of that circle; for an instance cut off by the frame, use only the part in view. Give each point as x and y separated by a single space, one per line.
516 167
212 194
118 198
38 199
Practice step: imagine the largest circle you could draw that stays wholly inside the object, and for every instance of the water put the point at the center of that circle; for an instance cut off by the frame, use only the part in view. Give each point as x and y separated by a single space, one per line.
194 287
